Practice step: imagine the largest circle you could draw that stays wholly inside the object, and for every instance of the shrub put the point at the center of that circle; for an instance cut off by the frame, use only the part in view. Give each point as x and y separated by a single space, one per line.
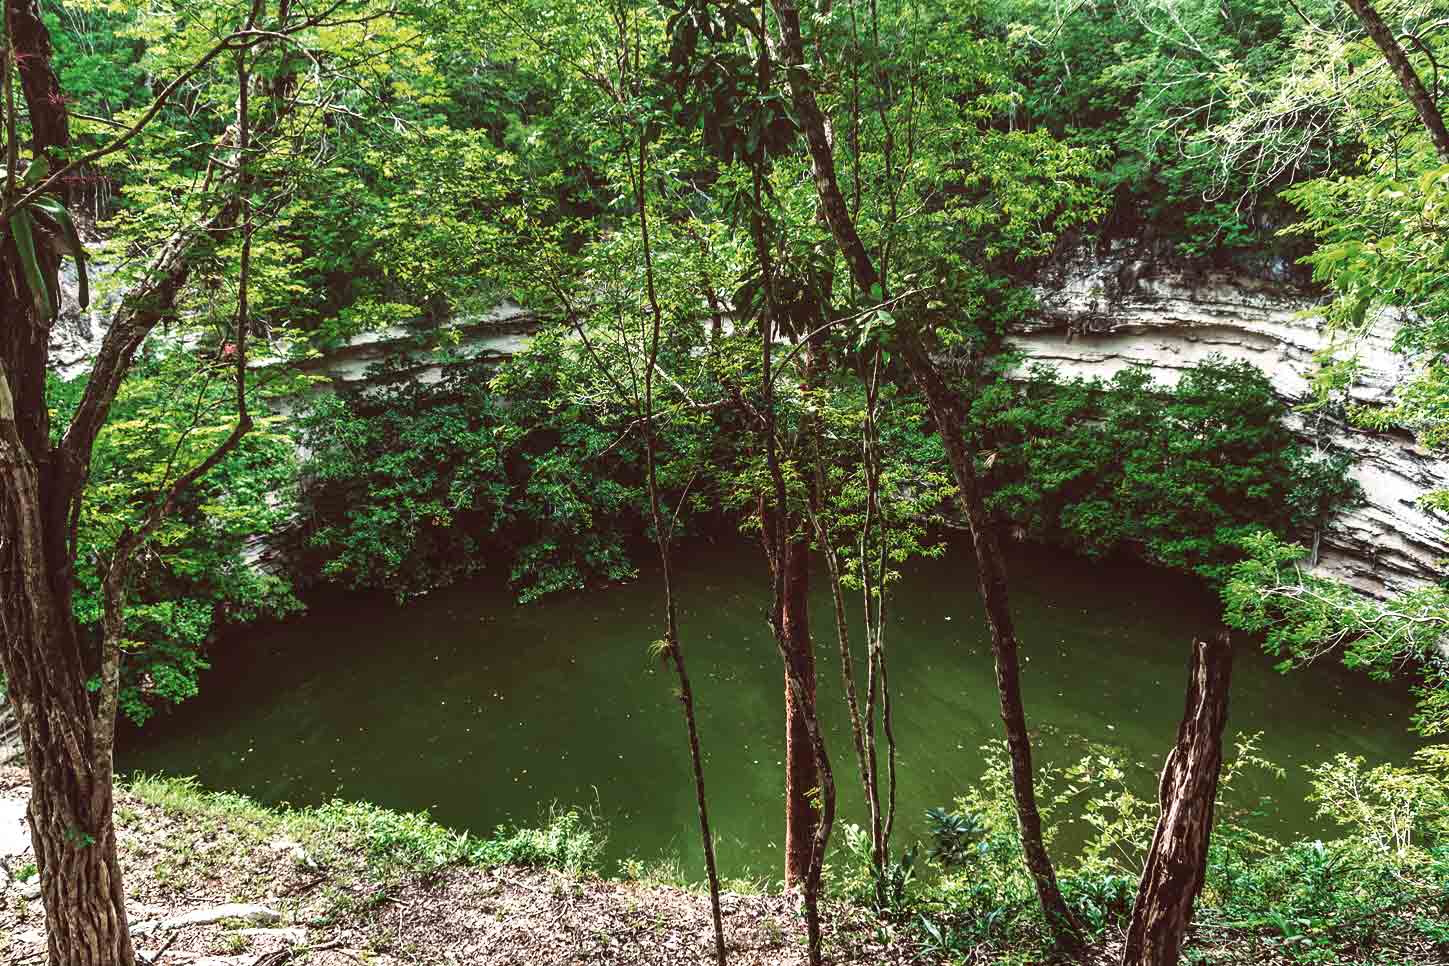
1303 617
1377 892
1179 476
412 486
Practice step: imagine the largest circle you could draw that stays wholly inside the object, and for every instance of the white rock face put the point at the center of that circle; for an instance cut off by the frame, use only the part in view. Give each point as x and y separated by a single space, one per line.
495 335
75 338
1101 314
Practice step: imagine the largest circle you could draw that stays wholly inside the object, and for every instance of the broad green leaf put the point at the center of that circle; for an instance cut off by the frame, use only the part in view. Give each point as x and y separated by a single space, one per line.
23 229
71 239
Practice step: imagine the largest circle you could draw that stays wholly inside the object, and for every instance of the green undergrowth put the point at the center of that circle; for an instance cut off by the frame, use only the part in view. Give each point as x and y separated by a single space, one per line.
668 871
1373 891
380 841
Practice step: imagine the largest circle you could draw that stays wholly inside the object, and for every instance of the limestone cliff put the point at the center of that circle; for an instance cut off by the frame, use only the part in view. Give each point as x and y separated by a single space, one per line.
1102 312
1099 313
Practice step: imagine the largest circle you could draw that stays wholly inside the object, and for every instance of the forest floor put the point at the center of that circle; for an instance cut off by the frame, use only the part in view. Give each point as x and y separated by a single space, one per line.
217 881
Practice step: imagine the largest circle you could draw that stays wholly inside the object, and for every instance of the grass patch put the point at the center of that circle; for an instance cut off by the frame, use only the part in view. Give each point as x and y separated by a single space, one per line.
668 871
184 798
390 842
571 840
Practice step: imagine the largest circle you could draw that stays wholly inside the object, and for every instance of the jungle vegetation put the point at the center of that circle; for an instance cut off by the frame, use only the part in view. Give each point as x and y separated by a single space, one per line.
772 250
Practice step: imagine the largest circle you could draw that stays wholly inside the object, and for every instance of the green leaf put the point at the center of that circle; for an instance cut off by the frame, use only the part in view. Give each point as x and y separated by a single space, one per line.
34 172
23 229
70 237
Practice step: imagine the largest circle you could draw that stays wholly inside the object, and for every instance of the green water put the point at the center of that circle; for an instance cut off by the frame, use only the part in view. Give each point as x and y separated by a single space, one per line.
483 711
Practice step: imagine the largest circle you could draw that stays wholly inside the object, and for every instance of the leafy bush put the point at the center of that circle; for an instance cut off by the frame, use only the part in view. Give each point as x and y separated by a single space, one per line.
1377 893
391 842
400 840
411 841
198 570
1180 476
411 486
1303 617
954 836
1143 84
572 841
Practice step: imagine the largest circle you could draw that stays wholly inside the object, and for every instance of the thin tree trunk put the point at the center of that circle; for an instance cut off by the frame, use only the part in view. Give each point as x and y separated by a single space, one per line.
663 536
780 546
1409 80
802 776
842 638
874 595
991 574
1177 860
780 542
950 423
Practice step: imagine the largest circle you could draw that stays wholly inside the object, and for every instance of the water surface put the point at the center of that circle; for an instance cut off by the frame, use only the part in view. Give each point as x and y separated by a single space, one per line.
483 711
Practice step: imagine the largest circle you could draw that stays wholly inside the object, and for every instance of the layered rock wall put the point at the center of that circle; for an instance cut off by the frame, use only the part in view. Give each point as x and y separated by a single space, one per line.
1101 313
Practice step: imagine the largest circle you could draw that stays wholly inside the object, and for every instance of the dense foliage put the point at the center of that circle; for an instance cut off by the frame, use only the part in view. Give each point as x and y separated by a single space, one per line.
1144 83
202 568
1303 617
637 174
1180 475
411 486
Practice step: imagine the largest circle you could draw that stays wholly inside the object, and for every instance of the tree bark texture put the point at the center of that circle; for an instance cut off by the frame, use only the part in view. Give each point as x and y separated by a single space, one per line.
802 776
50 127
1177 860
46 671
45 664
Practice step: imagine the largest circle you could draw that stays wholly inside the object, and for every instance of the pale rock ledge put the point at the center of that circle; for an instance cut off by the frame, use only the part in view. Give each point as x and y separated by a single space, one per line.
1101 313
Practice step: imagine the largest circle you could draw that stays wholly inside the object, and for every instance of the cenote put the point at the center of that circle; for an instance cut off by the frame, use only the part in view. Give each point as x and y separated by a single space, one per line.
486 712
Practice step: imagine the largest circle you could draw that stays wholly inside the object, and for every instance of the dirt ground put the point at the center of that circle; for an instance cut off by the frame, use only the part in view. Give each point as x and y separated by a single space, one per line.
285 898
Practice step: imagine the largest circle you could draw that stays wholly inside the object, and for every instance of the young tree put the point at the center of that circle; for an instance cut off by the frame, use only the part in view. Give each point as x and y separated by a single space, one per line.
67 727
673 648
950 417
646 409
721 71
1423 102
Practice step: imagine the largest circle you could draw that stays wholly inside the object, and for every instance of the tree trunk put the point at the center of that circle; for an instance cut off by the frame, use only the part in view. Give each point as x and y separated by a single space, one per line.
950 423
85 900
70 804
1409 80
45 666
663 536
802 776
1177 860
991 574
49 128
